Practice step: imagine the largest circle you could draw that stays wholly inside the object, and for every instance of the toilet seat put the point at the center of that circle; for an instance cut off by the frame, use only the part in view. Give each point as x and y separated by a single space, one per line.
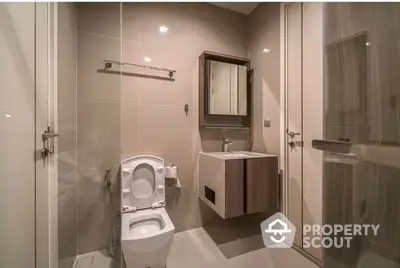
145 224
142 183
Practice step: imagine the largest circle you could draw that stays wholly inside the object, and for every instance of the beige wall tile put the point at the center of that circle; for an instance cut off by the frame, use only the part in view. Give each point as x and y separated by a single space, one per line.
99 142
159 92
141 22
264 32
100 18
219 30
179 200
92 51
129 130
166 131
99 129
129 88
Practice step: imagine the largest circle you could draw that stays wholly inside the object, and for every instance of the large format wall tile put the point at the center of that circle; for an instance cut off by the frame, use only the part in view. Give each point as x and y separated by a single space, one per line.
159 92
129 130
178 200
264 32
99 142
92 51
141 23
219 30
166 131
100 18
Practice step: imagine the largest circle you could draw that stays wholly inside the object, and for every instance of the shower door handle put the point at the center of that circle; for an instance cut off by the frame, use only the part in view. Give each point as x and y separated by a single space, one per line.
332 146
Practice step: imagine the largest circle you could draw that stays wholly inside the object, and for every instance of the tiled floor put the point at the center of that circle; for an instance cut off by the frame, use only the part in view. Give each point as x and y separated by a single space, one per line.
196 249
97 259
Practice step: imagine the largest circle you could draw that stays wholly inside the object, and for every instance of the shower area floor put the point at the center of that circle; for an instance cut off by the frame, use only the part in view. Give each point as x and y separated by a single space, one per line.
196 249
98 259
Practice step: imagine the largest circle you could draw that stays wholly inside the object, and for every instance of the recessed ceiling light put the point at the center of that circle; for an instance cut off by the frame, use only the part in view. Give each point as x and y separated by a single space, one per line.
147 59
163 29
8 115
266 50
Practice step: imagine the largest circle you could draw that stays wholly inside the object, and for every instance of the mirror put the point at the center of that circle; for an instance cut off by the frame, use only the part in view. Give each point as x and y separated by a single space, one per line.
227 88
224 91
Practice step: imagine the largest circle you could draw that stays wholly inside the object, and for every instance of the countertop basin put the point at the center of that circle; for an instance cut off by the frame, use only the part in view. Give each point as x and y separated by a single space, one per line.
237 155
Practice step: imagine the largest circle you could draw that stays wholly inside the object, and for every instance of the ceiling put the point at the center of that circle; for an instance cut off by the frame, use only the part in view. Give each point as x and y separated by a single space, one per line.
241 7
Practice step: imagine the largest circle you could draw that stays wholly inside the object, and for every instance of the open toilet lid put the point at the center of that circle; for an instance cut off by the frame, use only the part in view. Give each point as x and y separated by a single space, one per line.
142 182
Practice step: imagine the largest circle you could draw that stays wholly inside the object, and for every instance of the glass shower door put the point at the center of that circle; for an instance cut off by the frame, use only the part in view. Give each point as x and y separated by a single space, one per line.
362 130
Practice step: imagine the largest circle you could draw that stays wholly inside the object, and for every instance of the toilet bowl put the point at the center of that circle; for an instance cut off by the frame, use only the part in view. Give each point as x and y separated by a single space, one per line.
146 229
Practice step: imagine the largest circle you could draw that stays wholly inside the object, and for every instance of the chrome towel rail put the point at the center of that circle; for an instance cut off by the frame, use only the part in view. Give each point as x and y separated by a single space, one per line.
108 64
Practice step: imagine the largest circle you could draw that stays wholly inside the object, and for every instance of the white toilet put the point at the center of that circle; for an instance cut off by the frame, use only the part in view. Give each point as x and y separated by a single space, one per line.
146 229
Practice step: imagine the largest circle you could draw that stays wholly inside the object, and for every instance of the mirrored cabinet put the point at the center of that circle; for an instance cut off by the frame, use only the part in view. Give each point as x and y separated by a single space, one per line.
227 88
225 91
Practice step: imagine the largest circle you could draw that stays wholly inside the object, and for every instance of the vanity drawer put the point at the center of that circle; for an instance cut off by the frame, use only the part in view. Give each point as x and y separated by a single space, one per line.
261 185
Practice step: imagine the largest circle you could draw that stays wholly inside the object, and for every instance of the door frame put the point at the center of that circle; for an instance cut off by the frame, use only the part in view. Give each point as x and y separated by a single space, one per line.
284 113
284 117
283 104
286 110
45 114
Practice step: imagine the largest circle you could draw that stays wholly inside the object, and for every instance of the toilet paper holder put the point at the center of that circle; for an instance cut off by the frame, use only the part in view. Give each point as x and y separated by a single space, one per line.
171 172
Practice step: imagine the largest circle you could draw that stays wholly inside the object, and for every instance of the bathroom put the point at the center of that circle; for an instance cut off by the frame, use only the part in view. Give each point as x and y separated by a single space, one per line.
96 90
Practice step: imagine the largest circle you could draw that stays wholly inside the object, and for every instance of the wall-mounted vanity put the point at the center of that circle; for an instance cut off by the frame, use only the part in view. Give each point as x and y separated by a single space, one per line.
224 91
239 183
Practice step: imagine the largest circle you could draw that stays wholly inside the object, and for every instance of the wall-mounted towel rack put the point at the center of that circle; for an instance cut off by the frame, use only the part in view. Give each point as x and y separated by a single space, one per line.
109 64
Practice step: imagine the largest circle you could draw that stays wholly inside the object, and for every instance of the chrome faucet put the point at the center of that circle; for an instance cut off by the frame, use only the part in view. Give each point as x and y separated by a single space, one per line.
226 143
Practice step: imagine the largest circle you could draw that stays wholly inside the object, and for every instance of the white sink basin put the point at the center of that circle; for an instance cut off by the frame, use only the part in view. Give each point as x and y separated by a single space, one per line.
237 155
234 155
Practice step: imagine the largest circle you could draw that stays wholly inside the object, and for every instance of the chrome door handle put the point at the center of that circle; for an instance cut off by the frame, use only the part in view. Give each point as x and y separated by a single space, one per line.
292 134
47 134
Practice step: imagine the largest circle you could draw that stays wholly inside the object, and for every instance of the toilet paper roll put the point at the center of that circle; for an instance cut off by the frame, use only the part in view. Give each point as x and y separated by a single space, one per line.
171 171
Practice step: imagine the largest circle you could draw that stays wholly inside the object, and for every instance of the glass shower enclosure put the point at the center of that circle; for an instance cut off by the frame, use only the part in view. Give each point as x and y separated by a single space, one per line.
362 130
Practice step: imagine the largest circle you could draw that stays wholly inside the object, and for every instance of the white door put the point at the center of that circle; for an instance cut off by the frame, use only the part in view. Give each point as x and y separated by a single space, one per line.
17 135
24 114
304 117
